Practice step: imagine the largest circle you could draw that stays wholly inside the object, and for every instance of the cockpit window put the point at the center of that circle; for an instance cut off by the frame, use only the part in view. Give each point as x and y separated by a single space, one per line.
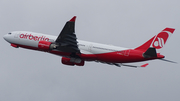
9 33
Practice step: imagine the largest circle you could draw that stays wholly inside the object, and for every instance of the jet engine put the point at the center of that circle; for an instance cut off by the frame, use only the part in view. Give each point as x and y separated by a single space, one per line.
46 45
72 61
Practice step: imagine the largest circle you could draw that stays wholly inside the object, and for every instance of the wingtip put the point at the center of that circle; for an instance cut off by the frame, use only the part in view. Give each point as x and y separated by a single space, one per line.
73 19
145 65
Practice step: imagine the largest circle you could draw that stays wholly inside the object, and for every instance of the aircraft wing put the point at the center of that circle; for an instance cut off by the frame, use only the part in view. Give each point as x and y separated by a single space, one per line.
67 39
121 64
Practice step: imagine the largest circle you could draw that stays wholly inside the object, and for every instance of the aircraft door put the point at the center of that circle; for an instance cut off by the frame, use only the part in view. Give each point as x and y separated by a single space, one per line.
90 47
127 52
17 35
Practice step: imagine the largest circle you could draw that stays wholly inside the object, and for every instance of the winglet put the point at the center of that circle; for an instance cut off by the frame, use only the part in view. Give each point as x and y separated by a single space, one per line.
73 19
144 65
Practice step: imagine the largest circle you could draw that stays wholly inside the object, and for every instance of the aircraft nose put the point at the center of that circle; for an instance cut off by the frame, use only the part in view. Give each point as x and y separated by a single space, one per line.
5 37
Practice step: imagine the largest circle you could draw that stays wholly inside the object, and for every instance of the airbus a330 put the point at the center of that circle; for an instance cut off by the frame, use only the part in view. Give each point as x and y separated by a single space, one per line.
76 52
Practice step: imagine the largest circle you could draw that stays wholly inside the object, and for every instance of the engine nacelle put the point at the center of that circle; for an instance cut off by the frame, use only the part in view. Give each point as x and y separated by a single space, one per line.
68 61
46 45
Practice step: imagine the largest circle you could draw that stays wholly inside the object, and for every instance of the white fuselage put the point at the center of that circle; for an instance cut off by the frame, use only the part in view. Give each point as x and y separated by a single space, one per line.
32 39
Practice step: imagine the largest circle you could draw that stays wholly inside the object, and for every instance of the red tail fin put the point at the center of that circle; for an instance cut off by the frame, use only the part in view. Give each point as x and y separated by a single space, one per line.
158 41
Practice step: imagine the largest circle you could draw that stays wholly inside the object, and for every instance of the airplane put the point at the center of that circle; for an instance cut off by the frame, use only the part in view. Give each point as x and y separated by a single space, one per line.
75 52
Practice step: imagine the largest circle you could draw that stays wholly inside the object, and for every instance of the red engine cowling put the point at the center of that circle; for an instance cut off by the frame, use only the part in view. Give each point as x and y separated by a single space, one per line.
81 63
44 45
67 61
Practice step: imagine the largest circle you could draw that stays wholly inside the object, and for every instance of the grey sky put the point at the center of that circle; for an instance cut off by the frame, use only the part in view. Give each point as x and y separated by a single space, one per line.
27 75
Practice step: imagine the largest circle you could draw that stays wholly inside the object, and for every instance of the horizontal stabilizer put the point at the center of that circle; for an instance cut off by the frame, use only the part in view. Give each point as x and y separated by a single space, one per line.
144 65
168 60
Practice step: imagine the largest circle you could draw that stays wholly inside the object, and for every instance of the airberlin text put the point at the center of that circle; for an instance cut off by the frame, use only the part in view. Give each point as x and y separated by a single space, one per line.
32 37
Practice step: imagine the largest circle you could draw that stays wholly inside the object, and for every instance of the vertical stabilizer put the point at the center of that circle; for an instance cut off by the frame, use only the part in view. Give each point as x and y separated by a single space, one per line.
158 41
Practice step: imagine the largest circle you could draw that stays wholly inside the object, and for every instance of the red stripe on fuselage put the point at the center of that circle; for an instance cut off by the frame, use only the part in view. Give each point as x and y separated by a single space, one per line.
125 56
111 57
121 56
